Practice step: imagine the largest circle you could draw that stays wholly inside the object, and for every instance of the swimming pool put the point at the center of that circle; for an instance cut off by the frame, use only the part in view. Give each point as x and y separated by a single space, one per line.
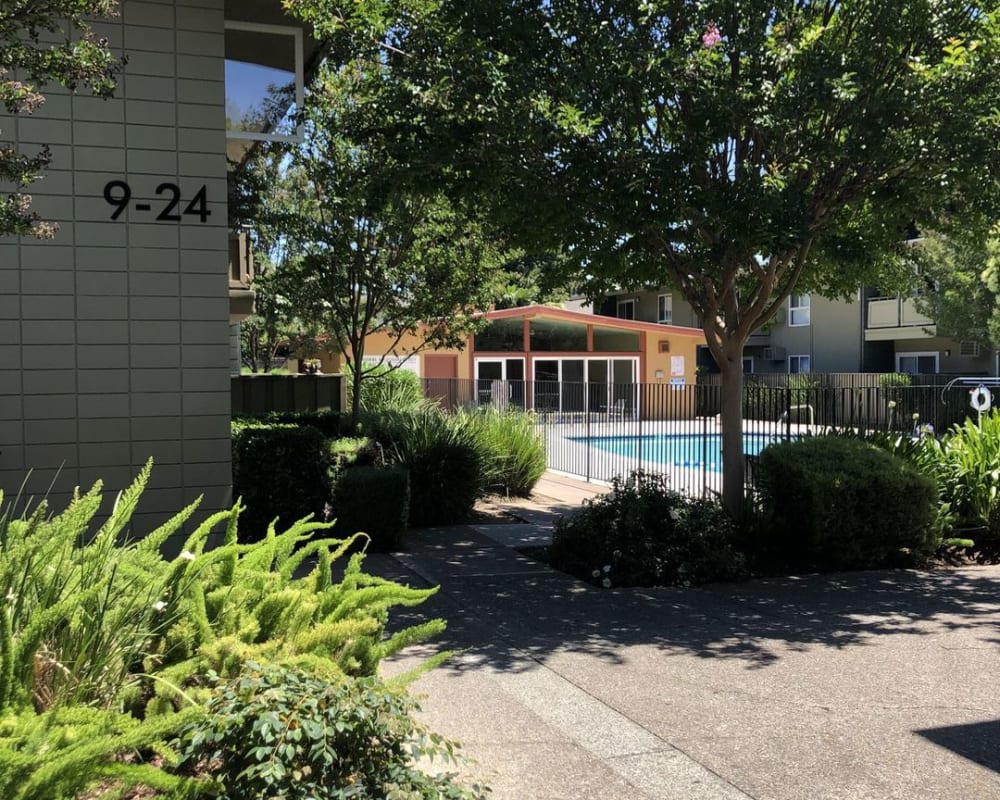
695 451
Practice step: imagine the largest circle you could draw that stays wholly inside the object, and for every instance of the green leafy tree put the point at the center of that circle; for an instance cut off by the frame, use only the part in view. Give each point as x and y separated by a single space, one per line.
29 59
959 285
737 151
372 251
259 194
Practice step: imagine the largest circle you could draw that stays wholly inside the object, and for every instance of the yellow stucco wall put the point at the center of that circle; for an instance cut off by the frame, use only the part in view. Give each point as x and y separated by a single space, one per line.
661 400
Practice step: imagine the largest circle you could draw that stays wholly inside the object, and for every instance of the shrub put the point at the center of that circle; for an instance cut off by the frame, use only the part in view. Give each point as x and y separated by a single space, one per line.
374 500
968 469
281 471
104 644
330 423
443 459
834 502
511 449
643 534
356 451
278 733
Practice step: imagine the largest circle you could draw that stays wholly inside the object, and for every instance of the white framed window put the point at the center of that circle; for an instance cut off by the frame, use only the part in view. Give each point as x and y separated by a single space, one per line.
800 363
626 309
968 348
917 363
798 310
265 83
665 309
410 363
748 365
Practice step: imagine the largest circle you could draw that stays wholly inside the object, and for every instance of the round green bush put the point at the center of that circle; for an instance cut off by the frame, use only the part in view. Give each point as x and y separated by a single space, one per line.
834 502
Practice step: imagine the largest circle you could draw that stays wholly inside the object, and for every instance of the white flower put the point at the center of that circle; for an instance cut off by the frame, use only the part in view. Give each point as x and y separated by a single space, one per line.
187 555
675 514
607 568
159 605
596 573
892 404
606 583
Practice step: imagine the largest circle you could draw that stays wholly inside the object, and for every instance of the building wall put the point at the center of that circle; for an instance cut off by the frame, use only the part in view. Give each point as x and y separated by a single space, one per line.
832 339
950 359
114 337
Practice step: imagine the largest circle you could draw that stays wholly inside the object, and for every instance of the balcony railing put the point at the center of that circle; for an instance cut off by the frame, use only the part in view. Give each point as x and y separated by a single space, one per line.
895 312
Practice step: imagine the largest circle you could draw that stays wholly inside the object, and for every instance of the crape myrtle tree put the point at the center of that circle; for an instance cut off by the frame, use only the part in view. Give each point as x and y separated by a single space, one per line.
375 252
737 151
43 41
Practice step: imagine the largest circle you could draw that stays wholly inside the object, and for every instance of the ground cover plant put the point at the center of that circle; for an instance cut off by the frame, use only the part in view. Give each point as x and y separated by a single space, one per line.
282 733
108 649
643 534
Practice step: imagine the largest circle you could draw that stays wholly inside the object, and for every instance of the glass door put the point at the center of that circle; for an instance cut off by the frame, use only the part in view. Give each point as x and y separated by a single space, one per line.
500 382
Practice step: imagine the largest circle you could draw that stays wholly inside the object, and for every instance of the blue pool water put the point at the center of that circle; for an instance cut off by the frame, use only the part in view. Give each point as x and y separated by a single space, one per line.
675 449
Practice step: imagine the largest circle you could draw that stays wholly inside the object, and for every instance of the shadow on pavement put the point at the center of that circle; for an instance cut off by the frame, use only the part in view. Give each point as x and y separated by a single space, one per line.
976 741
512 611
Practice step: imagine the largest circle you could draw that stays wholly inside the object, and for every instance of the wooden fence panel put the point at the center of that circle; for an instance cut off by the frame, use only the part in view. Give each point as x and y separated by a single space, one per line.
258 394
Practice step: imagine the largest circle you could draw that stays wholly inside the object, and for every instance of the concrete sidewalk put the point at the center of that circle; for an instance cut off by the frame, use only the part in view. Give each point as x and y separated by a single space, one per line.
869 685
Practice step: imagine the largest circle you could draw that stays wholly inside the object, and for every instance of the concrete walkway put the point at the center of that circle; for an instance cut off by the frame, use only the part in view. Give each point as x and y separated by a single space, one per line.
866 685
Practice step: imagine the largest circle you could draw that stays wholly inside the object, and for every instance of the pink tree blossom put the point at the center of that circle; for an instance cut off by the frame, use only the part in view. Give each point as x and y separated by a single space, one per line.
711 37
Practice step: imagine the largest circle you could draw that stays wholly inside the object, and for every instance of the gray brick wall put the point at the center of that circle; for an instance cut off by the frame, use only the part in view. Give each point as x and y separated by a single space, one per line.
114 338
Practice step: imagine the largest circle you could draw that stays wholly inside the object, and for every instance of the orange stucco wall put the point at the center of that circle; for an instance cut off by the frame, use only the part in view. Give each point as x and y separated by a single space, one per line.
380 344
669 376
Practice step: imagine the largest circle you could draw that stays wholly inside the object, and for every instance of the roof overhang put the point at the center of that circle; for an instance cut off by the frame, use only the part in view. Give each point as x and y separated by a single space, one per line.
584 318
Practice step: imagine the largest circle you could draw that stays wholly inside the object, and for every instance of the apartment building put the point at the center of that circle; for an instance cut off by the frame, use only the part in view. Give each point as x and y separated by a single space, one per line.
871 333
115 335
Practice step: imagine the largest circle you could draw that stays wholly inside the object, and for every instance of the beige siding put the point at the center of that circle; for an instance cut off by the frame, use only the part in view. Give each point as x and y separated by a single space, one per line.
114 336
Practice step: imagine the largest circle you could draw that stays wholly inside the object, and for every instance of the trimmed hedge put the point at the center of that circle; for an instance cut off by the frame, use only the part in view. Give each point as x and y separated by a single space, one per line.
840 503
373 500
281 472
332 424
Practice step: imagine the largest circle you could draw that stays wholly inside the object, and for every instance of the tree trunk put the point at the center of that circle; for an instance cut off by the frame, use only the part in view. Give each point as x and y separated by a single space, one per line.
733 463
356 377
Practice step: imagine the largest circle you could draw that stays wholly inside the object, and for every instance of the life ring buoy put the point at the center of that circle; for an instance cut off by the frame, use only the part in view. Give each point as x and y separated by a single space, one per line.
980 398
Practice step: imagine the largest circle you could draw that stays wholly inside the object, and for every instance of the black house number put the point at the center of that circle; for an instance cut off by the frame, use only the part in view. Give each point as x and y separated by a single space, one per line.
119 194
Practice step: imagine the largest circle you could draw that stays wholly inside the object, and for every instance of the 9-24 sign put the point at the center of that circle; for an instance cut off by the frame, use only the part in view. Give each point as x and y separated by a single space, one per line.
119 195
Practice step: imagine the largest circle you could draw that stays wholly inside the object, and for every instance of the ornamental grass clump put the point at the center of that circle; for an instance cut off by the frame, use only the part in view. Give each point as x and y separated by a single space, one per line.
105 644
511 448
443 457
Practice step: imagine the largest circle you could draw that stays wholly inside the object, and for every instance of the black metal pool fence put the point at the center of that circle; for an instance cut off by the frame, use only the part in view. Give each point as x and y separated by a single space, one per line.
595 431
